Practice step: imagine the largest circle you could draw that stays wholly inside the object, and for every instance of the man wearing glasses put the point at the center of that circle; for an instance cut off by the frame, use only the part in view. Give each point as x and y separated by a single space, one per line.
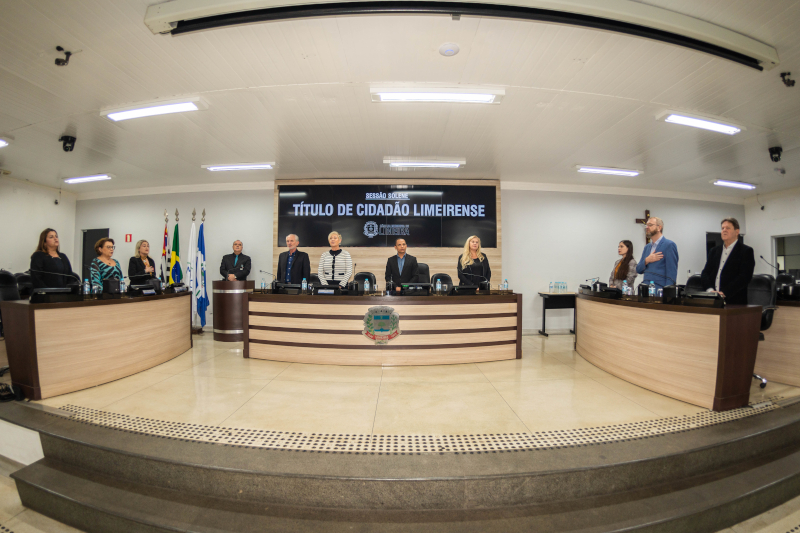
659 262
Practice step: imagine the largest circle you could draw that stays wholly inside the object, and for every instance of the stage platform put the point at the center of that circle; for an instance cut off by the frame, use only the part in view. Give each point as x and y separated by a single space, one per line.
211 441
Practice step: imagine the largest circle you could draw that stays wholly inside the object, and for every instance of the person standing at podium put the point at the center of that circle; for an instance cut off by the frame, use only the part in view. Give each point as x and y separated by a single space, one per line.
141 267
729 267
659 262
335 265
401 268
473 265
49 267
104 266
624 268
235 266
293 265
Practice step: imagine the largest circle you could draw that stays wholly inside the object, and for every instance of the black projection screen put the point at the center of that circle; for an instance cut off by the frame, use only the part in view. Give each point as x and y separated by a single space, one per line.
375 215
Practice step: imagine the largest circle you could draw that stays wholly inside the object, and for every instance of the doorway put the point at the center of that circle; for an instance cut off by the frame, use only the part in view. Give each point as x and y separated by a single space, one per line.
90 236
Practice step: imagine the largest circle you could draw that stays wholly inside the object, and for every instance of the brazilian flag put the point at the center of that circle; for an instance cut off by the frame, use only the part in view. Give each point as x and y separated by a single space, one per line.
175 272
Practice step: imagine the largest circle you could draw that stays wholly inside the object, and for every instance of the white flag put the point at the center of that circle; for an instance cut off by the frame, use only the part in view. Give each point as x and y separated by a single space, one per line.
191 275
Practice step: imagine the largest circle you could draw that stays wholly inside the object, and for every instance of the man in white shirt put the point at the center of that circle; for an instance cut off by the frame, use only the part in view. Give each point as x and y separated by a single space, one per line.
729 267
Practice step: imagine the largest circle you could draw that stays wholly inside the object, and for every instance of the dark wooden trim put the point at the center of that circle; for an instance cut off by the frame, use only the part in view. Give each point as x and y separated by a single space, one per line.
20 330
228 337
788 303
361 317
356 332
384 346
738 345
92 303
382 300
519 326
246 327
729 310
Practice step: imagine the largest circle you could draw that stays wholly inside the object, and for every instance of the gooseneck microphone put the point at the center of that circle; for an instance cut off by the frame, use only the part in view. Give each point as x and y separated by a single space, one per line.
71 275
270 273
767 262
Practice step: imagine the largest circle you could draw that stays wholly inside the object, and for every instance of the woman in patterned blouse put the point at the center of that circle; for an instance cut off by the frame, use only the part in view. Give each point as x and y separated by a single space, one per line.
104 266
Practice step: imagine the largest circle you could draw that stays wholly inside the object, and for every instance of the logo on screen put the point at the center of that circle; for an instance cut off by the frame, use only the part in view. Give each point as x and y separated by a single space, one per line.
371 229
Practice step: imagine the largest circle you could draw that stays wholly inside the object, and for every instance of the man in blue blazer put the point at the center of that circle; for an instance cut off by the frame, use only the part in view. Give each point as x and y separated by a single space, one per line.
659 261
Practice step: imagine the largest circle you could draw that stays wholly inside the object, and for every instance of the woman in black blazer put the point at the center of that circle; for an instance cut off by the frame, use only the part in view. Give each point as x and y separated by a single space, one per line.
141 267
49 267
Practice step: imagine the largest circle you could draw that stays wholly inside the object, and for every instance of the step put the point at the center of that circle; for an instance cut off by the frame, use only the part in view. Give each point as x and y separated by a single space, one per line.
95 503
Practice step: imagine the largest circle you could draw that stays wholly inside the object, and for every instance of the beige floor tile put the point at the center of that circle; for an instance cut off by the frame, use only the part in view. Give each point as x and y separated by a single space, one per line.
652 401
581 365
187 360
231 364
10 505
331 373
443 409
566 404
433 374
778 520
192 399
103 395
757 394
309 407
532 368
32 522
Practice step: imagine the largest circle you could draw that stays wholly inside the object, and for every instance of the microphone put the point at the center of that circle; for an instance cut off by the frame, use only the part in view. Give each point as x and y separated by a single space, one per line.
767 262
71 274
265 272
471 274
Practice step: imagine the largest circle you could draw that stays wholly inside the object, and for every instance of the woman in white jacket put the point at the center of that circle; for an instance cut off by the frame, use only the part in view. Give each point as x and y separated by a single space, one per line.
335 265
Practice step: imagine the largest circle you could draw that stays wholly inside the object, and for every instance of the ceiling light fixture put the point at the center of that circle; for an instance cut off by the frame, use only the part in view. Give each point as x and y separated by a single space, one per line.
84 179
608 170
240 166
735 184
407 163
158 107
463 95
3 143
695 121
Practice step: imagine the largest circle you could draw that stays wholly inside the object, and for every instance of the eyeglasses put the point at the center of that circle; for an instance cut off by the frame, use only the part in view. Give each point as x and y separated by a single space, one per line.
651 225
112 247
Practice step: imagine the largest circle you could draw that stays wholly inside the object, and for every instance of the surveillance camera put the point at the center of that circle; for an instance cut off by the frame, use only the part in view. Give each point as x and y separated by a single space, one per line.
775 153
56 201
69 143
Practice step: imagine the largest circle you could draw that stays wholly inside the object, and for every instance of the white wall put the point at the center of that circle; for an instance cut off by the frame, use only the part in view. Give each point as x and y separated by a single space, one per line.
556 236
25 210
230 215
780 217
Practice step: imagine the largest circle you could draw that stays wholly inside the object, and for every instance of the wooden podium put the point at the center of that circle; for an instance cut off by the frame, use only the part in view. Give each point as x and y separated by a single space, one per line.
230 309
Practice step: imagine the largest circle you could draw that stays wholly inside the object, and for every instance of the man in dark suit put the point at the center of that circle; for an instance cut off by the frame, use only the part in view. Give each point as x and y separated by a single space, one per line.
235 266
293 265
401 268
729 267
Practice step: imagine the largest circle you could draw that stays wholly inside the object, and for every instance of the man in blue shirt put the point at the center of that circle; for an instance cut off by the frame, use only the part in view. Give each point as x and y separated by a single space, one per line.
659 262
293 265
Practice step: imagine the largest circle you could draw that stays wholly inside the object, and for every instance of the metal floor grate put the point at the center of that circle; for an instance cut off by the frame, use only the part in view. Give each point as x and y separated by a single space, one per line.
411 444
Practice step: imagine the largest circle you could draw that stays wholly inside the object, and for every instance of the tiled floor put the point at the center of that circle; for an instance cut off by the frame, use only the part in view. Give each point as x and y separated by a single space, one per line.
550 388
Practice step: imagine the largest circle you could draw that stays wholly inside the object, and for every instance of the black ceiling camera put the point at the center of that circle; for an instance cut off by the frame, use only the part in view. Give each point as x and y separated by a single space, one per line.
63 62
786 79
774 153
69 143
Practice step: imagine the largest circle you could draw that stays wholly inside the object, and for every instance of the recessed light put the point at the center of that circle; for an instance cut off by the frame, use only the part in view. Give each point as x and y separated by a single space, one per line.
239 166
735 184
449 49
158 107
84 179
4 142
420 163
609 170
463 95
695 121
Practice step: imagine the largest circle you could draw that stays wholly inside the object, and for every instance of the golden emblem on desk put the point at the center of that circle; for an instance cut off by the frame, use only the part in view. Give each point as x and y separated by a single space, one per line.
381 324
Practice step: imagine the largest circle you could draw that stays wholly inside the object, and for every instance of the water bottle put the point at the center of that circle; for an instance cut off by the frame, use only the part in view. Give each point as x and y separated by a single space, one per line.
550 290
505 284
438 285
625 288
366 285
122 287
263 285
304 285
652 289
87 288
566 289
96 289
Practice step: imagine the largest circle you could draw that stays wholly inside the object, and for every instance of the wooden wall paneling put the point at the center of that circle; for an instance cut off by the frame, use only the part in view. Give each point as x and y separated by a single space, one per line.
668 352
779 353
370 259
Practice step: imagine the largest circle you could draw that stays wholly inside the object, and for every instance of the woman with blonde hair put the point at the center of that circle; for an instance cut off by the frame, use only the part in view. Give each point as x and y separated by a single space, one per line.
335 265
140 266
473 265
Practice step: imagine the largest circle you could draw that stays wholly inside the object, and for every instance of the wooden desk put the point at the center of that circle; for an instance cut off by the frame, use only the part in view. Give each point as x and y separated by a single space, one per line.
435 330
58 348
701 356
779 353
556 300
230 298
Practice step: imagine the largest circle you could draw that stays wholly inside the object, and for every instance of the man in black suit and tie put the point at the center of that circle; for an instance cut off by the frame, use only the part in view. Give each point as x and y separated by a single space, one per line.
729 267
293 265
235 266
401 268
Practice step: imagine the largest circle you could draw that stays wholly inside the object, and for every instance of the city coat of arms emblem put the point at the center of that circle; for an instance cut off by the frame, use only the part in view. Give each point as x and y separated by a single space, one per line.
381 324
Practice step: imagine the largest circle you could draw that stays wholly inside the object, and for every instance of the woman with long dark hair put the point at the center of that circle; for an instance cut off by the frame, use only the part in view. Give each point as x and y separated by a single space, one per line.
625 267
49 267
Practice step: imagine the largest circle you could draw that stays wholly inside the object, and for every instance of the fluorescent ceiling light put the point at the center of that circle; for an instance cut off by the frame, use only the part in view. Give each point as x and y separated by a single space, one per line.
3 142
419 163
84 179
607 170
149 109
464 95
700 122
240 166
735 184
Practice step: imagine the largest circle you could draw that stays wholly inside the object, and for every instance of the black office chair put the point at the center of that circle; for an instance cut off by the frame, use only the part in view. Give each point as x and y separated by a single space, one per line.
784 279
761 291
314 280
362 276
695 284
424 273
8 292
444 278
24 284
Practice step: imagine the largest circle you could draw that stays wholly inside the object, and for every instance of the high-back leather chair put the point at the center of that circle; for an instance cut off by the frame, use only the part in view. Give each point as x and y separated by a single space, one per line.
424 273
695 284
445 279
8 292
761 291
314 280
24 284
362 276
784 279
